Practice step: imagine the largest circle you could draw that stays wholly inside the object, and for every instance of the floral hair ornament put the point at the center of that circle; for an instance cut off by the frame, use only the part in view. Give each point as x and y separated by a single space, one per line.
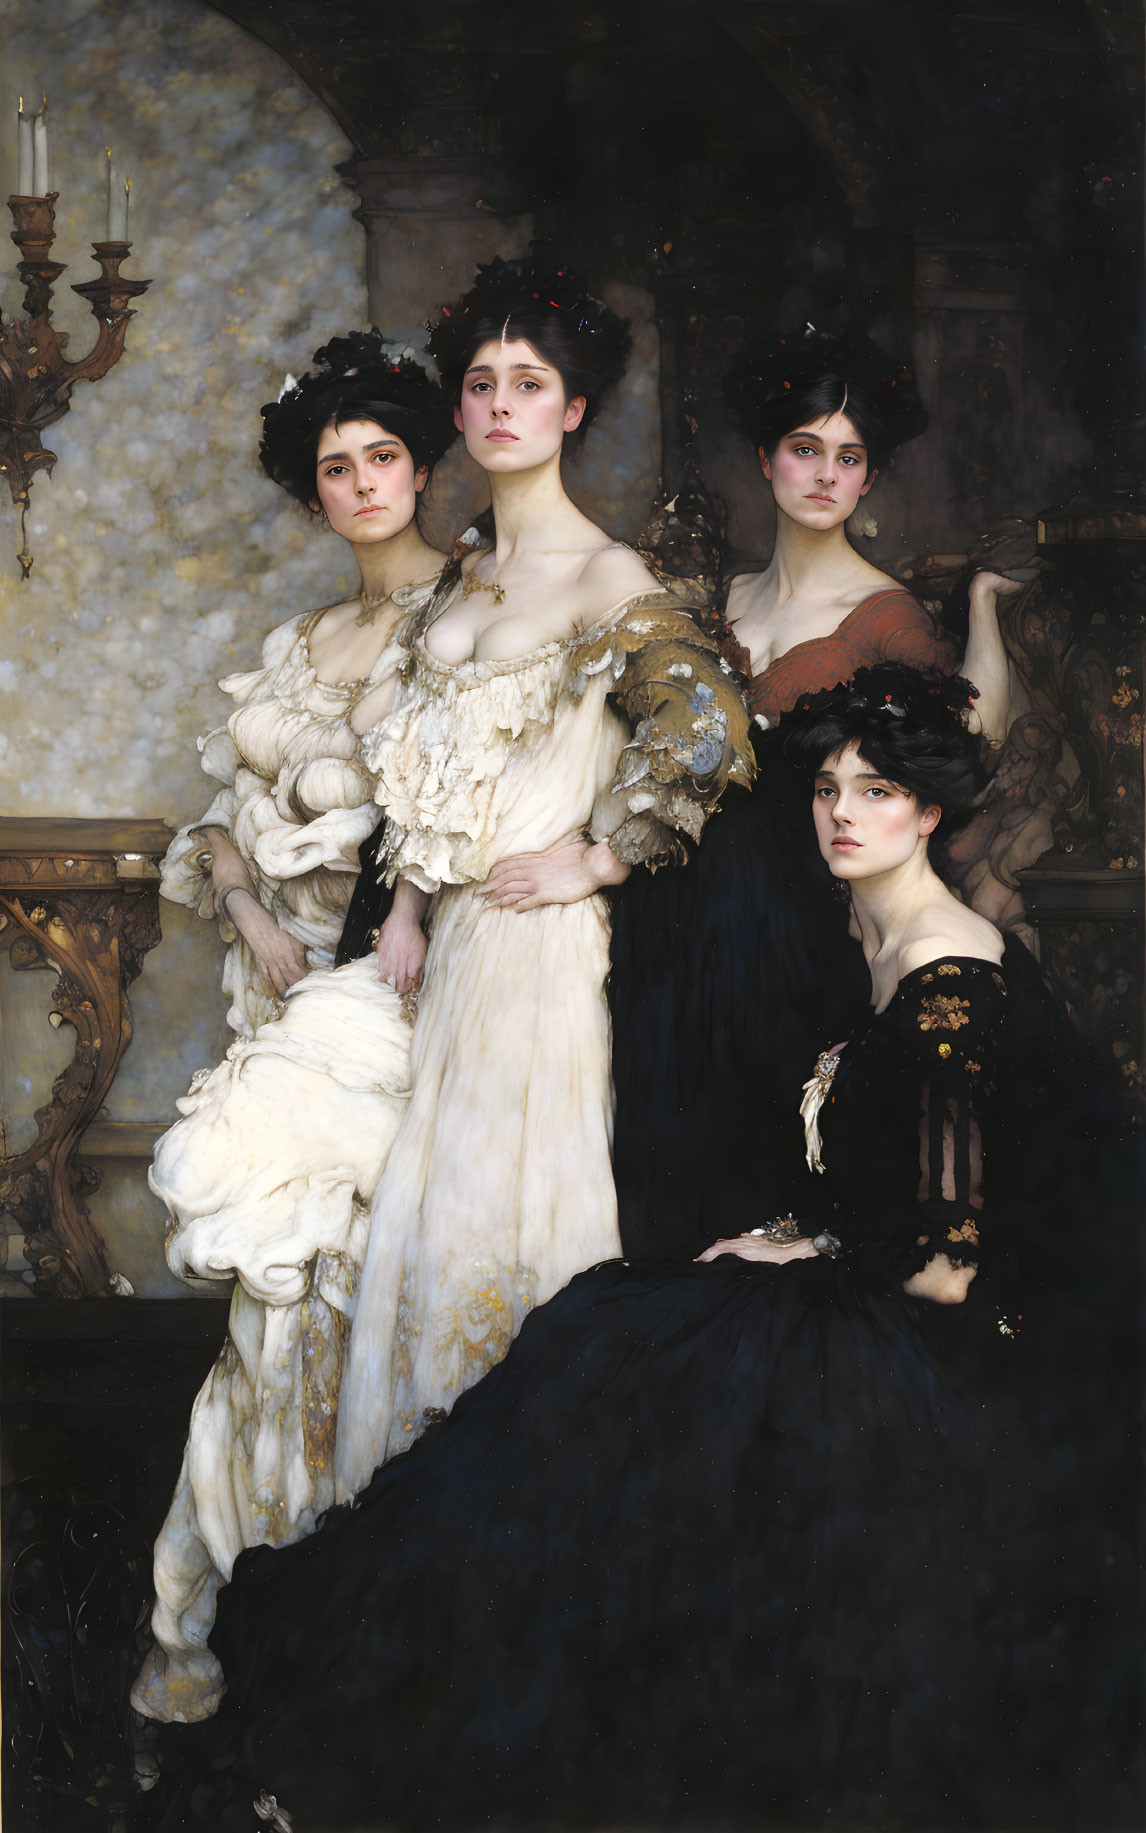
528 283
355 368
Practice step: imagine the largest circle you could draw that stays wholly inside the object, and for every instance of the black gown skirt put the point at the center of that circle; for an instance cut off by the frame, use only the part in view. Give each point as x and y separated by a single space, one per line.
742 1545
728 976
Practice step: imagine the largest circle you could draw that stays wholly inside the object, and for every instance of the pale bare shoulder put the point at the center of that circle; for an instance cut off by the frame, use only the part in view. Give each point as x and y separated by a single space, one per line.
873 579
610 574
975 938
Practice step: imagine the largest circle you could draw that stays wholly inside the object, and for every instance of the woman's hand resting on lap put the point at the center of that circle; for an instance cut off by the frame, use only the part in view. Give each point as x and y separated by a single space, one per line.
566 872
941 1281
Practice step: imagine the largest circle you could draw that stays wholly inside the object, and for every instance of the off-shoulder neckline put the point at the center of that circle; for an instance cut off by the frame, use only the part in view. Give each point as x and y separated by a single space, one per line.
505 665
833 636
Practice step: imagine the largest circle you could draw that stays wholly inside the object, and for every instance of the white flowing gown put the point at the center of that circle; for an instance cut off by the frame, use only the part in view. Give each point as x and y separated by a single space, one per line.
268 1176
499 1186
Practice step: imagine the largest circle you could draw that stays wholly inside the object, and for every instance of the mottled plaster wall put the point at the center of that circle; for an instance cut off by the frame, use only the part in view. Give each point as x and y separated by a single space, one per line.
162 554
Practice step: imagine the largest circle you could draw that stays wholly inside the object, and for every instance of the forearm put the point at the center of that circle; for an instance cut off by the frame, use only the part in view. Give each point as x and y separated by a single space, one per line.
410 904
985 665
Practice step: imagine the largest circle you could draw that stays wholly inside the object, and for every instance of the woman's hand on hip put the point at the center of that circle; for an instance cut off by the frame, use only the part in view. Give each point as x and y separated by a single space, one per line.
564 873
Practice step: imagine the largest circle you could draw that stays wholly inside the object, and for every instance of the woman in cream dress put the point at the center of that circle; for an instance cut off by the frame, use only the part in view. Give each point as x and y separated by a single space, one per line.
559 719
268 1176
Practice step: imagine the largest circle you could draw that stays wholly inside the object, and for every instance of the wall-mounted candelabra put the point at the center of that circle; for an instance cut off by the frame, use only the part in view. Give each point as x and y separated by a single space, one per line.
36 380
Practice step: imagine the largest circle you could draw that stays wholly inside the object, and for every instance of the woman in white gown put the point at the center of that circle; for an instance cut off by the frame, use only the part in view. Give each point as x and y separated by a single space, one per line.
269 1174
275 855
559 719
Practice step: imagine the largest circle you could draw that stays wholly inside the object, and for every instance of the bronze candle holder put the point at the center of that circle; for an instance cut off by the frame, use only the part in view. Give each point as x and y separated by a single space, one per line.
36 380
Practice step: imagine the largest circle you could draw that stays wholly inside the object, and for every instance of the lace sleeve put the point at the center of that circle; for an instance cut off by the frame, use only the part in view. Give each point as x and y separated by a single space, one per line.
689 729
951 1027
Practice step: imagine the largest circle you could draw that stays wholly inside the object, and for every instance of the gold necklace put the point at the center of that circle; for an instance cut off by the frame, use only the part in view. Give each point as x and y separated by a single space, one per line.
370 608
474 584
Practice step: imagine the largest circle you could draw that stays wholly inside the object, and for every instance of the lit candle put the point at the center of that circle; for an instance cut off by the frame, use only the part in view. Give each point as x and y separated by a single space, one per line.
24 182
117 212
41 183
110 191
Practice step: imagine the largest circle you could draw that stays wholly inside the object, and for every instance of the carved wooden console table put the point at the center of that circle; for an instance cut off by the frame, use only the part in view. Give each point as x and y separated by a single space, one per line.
79 896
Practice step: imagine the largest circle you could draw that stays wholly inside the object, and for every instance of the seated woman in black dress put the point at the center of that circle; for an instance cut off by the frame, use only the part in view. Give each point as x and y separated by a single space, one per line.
800 1528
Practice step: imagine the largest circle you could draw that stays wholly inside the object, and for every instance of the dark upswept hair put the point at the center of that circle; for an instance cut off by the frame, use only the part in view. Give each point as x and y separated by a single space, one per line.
354 379
537 299
790 380
909 725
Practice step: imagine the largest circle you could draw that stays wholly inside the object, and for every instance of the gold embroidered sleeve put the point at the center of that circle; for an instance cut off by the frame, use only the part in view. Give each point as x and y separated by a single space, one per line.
689 726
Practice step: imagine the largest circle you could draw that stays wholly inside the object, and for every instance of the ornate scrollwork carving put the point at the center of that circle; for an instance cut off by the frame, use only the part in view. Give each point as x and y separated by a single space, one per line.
72 915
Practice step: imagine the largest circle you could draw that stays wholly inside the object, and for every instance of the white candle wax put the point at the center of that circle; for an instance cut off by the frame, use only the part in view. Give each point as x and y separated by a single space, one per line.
117 213
24 182
41 180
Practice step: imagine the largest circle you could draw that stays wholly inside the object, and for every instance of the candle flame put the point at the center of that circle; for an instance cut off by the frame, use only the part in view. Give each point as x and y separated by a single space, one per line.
43 108
127 185
21 104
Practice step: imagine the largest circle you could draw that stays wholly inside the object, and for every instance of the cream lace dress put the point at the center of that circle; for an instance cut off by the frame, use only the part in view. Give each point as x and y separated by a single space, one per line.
268 1176
498 1186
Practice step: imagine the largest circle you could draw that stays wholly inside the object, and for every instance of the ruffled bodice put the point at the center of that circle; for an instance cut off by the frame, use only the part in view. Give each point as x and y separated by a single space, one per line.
295 797
627 732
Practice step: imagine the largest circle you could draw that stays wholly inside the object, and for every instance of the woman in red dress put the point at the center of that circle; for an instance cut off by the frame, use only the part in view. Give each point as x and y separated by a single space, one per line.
717 987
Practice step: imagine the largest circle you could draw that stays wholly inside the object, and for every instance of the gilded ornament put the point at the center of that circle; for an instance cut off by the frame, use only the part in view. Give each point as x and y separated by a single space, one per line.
474 584
815 1094
943 1012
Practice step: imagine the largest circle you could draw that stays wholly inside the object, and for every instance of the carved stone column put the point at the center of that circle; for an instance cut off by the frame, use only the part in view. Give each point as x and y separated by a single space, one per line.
78 897
429 219
434 197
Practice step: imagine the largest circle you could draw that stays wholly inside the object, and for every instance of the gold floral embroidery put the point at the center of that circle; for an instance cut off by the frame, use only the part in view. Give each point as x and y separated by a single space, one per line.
927 979
973 1069
948 967
945 1050
475 1330
325 1334
943 1012
968 1232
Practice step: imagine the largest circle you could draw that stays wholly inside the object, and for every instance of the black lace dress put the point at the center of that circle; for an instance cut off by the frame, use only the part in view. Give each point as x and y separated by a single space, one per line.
726 1541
